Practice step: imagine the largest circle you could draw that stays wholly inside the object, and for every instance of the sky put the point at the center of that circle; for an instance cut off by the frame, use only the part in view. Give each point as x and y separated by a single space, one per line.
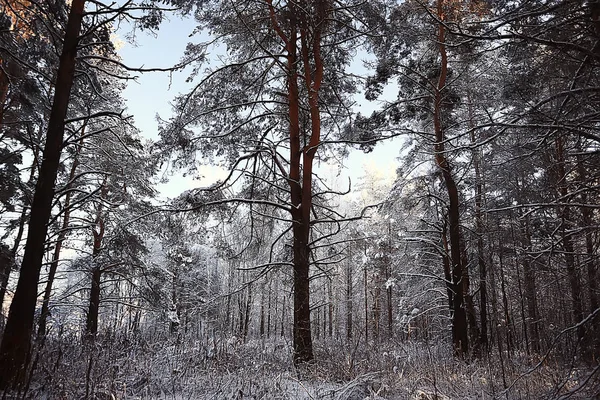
151 95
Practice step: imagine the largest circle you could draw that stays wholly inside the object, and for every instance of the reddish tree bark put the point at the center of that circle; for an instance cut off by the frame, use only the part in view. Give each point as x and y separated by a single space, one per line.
303 26
459 315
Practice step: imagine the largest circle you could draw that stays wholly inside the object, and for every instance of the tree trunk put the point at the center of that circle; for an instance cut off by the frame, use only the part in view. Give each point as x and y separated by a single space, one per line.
330 308
446 265
567 240
459 316
590 257
377 306
262 311
366 294
303 351
58 246
4 85
349 292
307 28
282 326
5 270
507 318
91 326
269 311
479 231
6 264
228 318
15 347
530 289
248 307
21 229
388 285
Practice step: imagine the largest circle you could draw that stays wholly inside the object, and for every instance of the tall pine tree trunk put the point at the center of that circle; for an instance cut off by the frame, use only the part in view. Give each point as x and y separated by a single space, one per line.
16 341
305 26
459 315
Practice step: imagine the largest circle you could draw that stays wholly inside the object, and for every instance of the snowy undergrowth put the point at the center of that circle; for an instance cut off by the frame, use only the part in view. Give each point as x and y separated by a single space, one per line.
262 369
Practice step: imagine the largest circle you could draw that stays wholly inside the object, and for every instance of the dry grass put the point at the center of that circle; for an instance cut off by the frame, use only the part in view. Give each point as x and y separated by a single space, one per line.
262 369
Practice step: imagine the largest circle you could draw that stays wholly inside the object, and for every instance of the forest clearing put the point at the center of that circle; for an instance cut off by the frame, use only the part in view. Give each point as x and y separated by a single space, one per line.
313 199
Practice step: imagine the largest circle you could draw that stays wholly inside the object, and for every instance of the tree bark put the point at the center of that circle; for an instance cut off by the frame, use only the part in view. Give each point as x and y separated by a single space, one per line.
590 258
58 246
446 265
6 264
479 231
15 346
530 290
4 85
567 240
459 316
330 310
507 311
349 293
91 325
306 27
248 307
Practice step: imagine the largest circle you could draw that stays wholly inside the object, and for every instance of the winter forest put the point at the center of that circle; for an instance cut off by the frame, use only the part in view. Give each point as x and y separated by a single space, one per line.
283 269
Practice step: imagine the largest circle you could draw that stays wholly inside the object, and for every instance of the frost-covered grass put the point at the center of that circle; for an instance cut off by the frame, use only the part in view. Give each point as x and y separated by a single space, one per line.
262 369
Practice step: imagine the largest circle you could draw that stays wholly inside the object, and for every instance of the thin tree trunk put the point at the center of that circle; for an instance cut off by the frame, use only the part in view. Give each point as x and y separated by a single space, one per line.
590 258
269 311
567 239
4 85
174 323
262 311
470 306
6 265
15 347
330 307
246 322
494 297
282 331
530 291
349 292
366 294
228 318
446 265
479 231
388 284
5 275
507 319
377 306
59 242
91 326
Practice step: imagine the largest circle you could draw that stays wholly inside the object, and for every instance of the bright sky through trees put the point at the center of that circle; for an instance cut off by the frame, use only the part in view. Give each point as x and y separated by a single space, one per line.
150 95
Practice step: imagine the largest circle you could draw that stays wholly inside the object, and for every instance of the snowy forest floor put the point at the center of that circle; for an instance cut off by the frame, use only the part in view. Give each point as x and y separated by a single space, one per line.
262 369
